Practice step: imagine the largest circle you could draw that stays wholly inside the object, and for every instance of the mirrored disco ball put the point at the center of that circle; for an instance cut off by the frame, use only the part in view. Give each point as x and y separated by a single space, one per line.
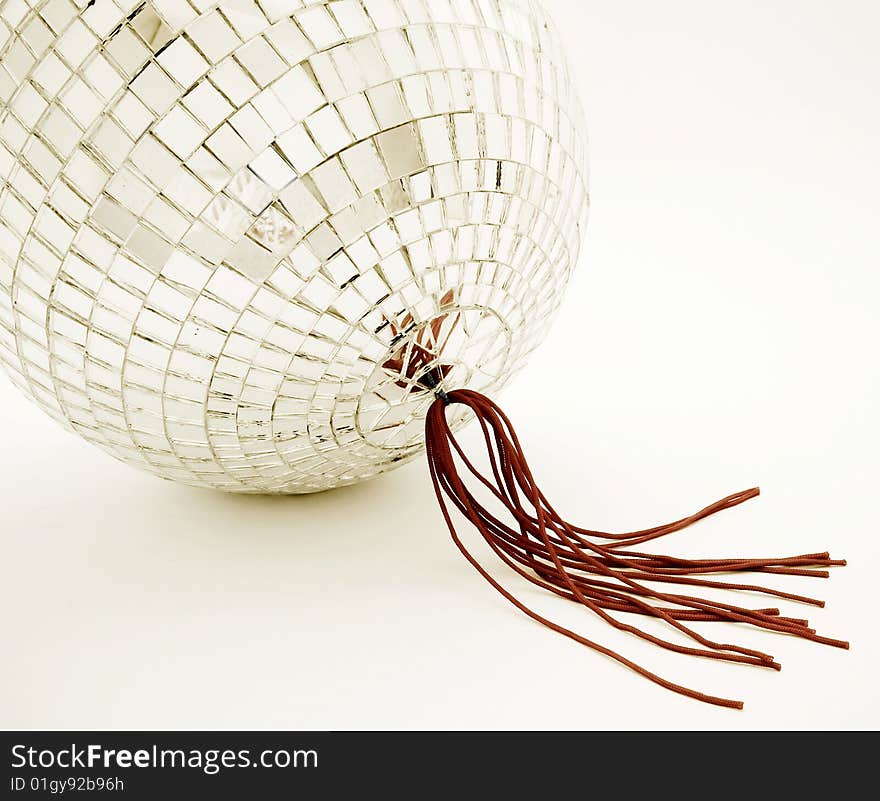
236 238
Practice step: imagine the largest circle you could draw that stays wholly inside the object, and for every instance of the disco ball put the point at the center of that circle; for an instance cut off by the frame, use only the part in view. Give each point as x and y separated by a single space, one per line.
234 241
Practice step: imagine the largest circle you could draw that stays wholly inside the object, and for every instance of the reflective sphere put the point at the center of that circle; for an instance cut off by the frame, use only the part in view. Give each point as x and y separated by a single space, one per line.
239 246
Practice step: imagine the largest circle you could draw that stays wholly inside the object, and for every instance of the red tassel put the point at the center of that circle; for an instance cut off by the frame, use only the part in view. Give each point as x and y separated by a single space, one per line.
597 569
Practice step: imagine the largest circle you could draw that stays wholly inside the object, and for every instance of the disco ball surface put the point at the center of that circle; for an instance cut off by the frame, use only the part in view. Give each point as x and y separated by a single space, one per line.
235 237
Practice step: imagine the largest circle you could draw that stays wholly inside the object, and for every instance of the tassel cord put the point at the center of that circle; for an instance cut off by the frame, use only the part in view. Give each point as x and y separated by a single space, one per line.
562 558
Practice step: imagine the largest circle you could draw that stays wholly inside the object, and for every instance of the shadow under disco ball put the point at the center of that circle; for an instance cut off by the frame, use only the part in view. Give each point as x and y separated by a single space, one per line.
233 239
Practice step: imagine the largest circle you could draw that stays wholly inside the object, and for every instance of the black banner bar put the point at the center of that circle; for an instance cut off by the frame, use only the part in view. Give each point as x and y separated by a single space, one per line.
163 765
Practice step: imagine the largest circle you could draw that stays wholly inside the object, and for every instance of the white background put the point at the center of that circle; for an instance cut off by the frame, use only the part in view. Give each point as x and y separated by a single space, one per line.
722 331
